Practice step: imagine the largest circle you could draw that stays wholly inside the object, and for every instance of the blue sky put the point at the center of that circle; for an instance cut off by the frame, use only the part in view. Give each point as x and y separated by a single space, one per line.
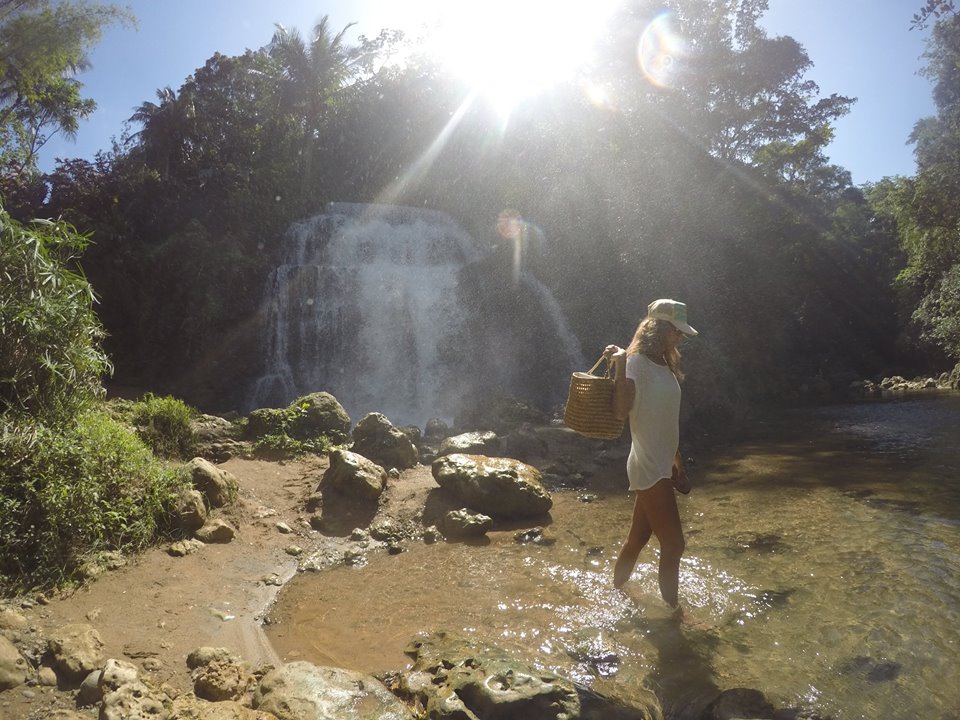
860 48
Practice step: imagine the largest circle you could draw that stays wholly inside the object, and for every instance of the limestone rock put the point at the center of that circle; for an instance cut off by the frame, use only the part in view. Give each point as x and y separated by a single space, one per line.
190 510
189 707
182 548
133 701
461 524
302 691
76 650
217 681
11 622
216 530
13 667
353 476
116 673
499 487
376 438
455 677
471 442
205 655
218 486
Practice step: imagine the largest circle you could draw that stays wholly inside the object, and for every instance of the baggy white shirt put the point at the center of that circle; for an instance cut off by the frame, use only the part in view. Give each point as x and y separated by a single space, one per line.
654 422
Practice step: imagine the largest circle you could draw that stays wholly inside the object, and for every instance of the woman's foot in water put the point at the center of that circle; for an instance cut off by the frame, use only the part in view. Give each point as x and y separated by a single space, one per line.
623 568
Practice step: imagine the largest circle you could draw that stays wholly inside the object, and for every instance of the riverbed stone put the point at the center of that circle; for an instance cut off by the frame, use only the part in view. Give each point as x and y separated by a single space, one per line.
462 524
216 530
303 691
470 442
352 476
377 439
218 486
190 510
133 700
217 681
458 677
739 703
75 650
499 487
189 707
13 666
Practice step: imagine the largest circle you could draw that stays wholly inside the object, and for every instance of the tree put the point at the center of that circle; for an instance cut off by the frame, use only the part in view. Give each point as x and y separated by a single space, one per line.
43 46
926 208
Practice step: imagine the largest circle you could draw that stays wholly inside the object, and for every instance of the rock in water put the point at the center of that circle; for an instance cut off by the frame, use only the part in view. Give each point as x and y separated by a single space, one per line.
499 487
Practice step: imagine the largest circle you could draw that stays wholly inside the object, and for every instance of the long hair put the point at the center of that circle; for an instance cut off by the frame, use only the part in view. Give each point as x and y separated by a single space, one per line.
650 340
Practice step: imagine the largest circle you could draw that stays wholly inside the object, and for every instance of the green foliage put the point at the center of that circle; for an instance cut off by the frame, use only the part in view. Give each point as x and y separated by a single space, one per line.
163 423
81 488
282 445
715 190
43 44
277 431
51 362
925 209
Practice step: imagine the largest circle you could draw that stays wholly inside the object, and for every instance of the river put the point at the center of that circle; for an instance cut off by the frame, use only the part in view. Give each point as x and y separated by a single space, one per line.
822 567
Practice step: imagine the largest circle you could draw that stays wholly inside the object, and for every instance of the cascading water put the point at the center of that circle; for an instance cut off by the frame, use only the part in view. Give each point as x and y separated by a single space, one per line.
397 310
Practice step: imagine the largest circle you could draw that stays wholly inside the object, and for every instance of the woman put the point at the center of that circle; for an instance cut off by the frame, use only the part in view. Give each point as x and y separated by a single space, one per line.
647 388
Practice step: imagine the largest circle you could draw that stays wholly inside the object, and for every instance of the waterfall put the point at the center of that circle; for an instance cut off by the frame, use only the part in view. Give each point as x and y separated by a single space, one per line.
397 310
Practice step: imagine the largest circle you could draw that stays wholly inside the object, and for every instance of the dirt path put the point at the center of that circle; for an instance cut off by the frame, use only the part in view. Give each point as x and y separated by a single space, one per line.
159 608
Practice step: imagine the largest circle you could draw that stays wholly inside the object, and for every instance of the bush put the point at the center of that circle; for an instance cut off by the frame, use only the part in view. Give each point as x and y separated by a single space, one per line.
163 423
75 492
51 362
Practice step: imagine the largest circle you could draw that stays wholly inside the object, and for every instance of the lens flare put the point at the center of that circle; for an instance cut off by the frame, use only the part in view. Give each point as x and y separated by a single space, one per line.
661 50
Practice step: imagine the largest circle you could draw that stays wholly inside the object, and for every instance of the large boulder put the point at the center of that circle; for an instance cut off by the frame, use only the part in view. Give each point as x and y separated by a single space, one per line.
376 438
352 476
302 691
470 442
318 414
217 486
76 650
499 487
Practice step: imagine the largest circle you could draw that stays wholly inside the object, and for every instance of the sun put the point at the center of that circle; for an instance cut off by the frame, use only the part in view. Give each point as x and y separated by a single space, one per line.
509 50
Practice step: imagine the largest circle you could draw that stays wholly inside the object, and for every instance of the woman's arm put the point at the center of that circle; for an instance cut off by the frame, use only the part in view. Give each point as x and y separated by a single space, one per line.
623 388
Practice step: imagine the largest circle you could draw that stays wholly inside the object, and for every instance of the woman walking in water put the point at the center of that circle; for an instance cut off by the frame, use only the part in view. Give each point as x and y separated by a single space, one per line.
647 389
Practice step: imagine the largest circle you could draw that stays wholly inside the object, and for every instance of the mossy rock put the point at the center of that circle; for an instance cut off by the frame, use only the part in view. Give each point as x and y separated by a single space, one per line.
266 421
318 414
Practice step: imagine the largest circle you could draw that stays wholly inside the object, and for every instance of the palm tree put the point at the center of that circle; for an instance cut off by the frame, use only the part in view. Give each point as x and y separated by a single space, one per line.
313 73
163 130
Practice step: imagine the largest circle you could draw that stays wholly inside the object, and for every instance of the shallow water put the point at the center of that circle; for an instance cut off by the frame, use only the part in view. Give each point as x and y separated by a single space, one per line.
822 567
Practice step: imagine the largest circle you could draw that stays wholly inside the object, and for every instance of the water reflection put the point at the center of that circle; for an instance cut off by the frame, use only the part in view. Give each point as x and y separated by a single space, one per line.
822 568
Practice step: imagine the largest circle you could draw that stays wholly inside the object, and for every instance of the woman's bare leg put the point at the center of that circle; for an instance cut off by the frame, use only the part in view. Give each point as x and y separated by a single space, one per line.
640 531
660 508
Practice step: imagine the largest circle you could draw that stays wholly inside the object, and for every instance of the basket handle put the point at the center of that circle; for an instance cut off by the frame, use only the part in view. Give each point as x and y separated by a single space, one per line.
597 364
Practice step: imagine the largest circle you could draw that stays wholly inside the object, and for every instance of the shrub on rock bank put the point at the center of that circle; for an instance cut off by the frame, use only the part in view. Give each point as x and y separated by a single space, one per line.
312 423
79 489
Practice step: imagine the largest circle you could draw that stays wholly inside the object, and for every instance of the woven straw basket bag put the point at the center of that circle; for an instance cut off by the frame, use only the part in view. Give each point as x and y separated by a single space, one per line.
589 409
